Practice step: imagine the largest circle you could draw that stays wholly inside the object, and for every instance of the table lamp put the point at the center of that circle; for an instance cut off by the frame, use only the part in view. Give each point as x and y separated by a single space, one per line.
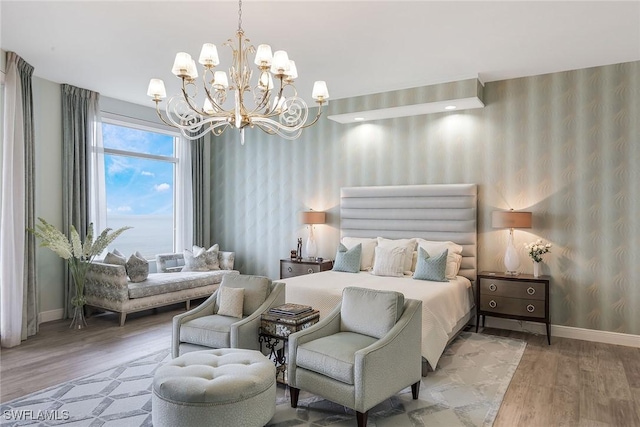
310 218
511 219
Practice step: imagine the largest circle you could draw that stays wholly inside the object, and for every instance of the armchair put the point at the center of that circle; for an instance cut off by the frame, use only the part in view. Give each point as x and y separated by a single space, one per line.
203 328
366 350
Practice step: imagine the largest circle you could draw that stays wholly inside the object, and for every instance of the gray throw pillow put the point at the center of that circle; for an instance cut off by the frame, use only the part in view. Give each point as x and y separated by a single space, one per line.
137 268
348 260
115 258
431 268
195 261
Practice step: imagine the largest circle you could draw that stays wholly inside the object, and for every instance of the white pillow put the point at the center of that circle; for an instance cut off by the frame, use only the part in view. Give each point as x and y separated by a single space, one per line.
409 246
389 261
454 259
368 250
231 301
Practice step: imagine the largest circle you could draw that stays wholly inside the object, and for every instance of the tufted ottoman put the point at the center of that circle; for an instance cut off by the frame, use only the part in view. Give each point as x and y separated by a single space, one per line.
222 387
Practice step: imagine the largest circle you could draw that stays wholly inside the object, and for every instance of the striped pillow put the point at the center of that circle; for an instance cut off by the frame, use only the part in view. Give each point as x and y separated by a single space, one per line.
389 261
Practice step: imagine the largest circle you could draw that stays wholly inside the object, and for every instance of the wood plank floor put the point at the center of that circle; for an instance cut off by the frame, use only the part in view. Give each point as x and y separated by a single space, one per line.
570 383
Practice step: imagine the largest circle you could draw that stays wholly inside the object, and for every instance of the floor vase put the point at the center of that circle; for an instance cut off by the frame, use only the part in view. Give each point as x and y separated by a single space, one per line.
79 321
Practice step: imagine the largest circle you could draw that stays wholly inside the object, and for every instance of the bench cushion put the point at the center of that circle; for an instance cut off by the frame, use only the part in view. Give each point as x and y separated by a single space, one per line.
162 283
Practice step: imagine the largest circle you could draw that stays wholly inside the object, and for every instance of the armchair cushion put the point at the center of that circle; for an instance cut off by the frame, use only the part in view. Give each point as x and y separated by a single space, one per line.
370 312
256 290
231 302
333 355
209 331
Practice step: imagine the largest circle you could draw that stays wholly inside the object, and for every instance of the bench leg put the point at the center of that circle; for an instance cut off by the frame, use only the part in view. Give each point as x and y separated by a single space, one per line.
123 317
188 303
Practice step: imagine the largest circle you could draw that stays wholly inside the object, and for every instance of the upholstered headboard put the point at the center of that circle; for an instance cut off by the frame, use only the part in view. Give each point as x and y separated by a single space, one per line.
432 212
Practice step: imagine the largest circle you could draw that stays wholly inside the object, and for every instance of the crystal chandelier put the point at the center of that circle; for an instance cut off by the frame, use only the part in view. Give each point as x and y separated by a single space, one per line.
275 111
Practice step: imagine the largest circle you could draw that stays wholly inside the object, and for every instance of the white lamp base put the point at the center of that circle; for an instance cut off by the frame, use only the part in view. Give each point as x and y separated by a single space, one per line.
311 248
511 258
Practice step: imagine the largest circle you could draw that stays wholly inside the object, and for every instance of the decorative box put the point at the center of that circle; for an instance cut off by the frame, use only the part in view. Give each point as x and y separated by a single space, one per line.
279 325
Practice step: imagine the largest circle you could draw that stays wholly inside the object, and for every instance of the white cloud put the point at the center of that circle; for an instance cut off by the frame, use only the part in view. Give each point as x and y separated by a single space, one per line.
147 173
118 165
124 209
162 187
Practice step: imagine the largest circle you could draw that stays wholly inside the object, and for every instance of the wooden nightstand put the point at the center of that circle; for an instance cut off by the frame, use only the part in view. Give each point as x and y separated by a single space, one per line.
521 297
292 268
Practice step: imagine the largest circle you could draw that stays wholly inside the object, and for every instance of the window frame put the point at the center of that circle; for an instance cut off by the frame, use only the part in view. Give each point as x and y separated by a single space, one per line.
132 123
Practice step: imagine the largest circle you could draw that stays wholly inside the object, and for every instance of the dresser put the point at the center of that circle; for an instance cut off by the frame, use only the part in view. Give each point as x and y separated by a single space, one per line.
292 267
521 297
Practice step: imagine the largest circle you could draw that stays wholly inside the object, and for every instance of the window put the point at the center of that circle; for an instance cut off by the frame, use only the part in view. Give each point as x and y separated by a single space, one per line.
140 186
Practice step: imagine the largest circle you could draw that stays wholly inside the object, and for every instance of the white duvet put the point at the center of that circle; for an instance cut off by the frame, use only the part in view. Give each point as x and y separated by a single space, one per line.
444 304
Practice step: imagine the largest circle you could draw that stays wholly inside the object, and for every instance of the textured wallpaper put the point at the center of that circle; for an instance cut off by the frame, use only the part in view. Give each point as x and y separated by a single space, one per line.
565 146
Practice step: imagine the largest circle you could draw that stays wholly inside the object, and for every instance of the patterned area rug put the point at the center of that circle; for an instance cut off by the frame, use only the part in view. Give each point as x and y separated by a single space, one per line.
466 390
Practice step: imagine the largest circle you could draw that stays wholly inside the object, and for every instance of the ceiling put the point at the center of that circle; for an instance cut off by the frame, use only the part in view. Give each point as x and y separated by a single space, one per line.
358 47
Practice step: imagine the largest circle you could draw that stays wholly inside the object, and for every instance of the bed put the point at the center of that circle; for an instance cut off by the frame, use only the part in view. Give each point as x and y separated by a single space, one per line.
444 212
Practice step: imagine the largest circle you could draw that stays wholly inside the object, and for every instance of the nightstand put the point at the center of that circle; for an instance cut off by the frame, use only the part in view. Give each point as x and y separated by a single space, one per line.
292 268
521 297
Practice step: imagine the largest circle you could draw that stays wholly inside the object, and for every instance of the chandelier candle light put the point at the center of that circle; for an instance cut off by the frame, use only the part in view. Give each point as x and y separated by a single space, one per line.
511 219
276 112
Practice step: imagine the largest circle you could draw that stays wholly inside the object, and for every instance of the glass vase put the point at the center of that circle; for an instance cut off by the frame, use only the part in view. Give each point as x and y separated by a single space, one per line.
79 321
536 269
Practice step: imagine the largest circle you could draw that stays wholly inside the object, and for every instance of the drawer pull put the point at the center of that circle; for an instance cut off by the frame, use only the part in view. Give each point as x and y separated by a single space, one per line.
530 290
492 304
531 308
310 270
289 269
492 287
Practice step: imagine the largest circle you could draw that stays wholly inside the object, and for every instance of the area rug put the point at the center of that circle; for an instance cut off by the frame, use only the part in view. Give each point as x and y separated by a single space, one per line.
466 390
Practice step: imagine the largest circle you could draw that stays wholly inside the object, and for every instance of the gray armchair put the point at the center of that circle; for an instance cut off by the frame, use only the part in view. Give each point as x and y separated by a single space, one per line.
366 350
202 328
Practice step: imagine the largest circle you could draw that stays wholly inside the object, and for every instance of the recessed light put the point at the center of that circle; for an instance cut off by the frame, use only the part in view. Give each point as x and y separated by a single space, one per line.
450 107
358 119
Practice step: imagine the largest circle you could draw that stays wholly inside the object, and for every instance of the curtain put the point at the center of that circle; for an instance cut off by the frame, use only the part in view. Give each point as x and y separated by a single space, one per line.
184 197
200 176
19 295
80 128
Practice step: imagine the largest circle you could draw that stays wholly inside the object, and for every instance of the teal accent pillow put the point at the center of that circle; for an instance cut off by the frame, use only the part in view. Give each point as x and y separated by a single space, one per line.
348 260
431 268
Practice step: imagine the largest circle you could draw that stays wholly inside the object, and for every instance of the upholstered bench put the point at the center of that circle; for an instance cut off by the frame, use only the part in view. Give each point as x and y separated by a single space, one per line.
224 387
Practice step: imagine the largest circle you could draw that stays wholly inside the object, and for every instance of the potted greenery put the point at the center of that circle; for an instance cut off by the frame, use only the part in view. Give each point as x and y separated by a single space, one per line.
78 255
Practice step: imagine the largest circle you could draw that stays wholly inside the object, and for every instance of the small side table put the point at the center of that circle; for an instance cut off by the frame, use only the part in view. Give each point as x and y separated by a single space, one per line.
521 297
275 329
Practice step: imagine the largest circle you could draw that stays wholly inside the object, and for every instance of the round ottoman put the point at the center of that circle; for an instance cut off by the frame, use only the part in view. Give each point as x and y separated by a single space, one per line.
221 387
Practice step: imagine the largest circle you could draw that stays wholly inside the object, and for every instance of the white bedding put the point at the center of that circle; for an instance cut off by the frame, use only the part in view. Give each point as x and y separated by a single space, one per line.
444 304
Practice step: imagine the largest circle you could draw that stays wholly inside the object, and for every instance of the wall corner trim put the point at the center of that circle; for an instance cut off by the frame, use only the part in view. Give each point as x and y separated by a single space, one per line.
51 315
605 337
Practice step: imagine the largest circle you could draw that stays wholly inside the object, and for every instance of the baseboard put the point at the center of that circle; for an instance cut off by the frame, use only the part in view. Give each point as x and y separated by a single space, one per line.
51 315
606 337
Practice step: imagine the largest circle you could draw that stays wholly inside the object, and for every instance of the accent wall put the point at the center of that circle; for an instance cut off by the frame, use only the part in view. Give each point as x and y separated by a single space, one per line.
565 146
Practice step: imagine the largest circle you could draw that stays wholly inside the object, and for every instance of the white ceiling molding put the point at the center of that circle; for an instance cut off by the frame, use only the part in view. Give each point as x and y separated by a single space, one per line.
451 96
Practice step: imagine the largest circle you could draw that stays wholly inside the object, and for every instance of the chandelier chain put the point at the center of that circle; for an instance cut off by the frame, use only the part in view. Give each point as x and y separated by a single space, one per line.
239 15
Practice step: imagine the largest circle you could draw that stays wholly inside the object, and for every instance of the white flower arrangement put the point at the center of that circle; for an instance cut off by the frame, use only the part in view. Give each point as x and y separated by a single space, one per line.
537 249
77 254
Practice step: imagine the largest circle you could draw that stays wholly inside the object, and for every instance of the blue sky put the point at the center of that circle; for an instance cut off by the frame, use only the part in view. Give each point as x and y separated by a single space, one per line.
138 186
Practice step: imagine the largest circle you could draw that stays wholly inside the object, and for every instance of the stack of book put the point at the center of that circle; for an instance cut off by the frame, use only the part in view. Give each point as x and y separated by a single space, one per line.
290 310
286 319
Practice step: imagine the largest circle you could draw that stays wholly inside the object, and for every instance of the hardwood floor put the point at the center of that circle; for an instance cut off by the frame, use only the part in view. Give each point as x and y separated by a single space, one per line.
570 383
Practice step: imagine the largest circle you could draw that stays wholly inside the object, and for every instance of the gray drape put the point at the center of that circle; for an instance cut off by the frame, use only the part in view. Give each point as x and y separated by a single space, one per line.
79 107
201 188
30 296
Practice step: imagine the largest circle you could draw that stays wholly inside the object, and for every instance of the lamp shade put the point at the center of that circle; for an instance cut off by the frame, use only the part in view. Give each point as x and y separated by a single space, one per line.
312 217
510 219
